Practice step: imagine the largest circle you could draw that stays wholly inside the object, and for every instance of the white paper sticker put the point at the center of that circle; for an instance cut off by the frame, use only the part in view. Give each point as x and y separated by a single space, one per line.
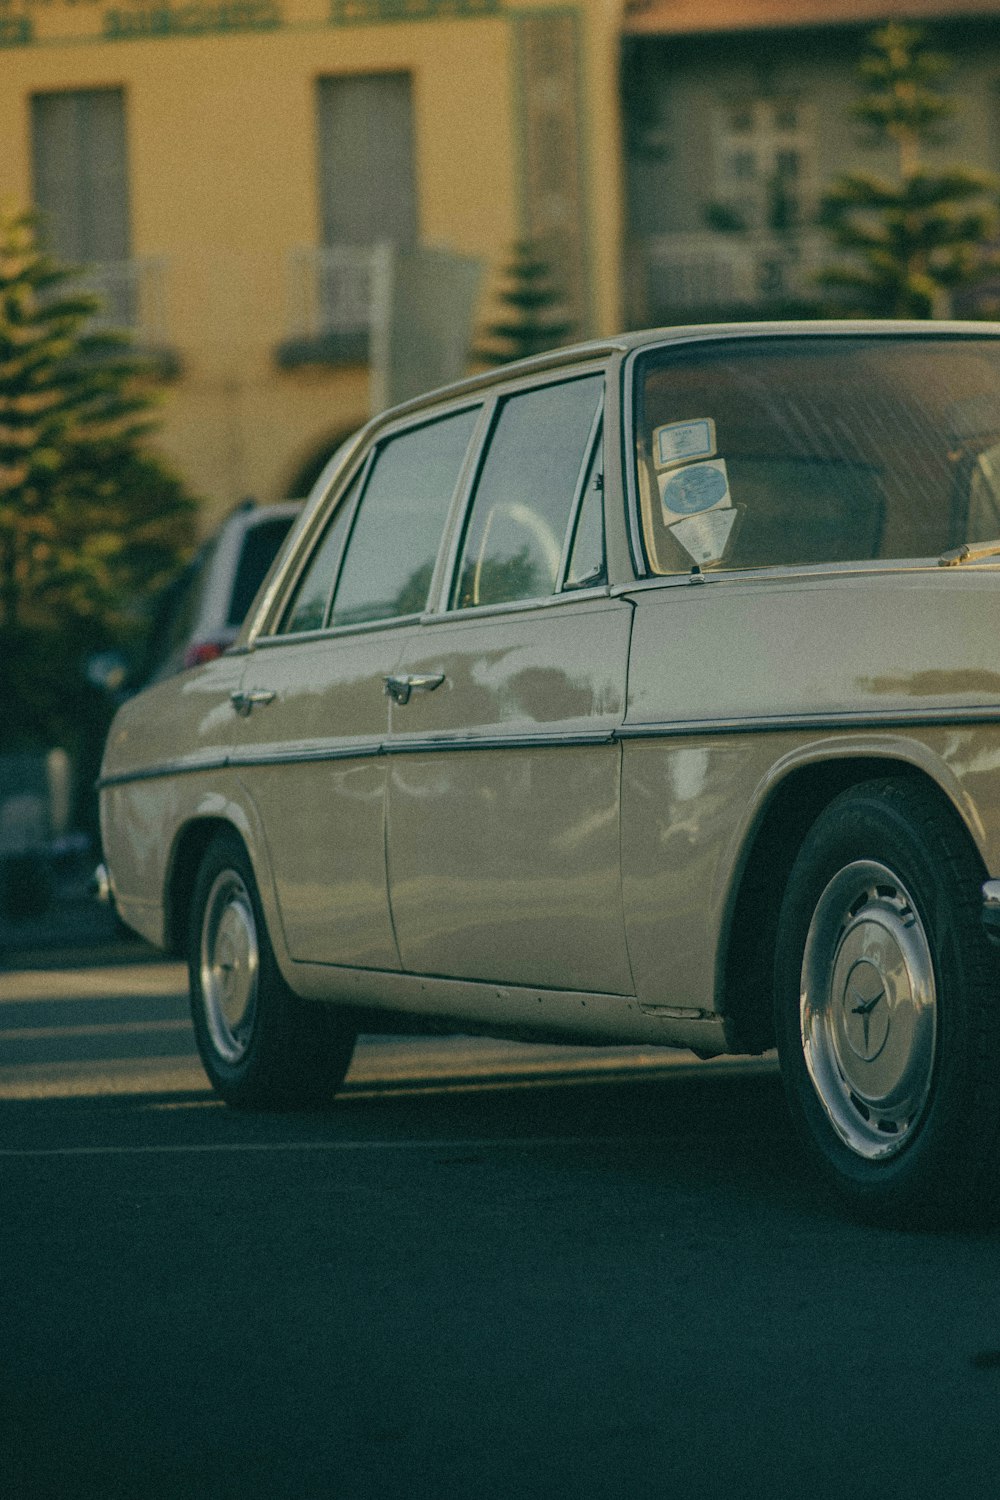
704 538
680 442
694 489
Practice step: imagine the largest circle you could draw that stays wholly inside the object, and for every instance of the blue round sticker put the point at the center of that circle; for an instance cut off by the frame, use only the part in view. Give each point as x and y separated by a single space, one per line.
694 489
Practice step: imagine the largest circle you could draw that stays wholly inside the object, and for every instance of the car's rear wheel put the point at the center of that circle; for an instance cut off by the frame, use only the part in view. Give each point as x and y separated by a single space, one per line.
887 1014
260 1044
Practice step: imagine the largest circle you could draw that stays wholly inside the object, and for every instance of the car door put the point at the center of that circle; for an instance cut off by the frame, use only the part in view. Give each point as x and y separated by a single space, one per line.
503 796
314 707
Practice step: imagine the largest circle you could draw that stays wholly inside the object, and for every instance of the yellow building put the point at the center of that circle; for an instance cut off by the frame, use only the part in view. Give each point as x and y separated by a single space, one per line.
228 168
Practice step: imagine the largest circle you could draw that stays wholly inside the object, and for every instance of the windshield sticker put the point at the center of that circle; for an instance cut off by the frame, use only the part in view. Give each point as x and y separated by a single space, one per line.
696 488
680 442
705 538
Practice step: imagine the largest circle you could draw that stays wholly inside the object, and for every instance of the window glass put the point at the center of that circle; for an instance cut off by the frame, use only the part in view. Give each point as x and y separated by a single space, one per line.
394 541
817 450
586 559
311 599
80 180
514 541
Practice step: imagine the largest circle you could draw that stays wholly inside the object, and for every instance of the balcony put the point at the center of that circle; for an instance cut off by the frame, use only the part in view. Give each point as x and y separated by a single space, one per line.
694 274
133 298
336 296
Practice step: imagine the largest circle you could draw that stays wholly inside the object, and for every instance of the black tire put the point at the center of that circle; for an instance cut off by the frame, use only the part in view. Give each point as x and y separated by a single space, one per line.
262 1047
887 1011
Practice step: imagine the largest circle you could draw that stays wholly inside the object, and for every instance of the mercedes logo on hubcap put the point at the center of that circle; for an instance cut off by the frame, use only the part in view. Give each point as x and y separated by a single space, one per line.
866 1010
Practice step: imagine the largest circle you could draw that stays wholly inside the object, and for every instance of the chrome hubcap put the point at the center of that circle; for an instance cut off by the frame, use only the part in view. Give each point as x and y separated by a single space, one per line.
868 1009
230 961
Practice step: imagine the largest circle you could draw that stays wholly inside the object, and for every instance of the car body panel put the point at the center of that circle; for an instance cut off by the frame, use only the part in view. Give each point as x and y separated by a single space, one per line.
164 764
711 733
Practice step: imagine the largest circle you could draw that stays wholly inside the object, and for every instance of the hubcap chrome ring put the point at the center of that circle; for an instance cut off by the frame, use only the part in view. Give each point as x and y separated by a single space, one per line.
868 1009
229 966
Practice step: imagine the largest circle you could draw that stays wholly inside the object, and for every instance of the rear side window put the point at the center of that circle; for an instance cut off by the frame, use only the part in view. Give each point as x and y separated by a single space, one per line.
787 452
527 490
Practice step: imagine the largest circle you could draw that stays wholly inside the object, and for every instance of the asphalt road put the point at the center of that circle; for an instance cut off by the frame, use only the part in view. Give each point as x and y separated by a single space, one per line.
484 1271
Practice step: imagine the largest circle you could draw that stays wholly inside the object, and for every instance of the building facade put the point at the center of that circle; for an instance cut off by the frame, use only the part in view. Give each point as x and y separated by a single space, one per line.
240 177
737 115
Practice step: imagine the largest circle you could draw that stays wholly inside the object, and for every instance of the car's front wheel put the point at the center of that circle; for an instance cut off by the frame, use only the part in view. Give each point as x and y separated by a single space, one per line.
260 1044
887 1014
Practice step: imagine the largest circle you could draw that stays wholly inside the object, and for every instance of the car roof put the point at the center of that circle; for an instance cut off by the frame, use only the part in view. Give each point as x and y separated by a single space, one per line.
626 343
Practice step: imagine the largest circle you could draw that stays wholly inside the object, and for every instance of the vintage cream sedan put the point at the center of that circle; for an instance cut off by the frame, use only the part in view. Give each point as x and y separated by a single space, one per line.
646 692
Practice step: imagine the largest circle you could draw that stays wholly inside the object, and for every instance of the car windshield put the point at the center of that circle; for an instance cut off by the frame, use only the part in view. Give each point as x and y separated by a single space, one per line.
808 450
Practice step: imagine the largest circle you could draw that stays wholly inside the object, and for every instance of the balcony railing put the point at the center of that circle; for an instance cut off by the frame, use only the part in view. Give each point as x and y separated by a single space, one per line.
702 271
336 296
133 296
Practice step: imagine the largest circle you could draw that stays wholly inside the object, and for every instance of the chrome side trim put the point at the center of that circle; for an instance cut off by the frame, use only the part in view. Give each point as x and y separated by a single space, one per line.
431 744
782 723
542 739
166 768
303 754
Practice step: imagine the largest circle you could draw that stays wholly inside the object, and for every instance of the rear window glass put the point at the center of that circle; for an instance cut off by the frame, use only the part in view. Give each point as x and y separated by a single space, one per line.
816 450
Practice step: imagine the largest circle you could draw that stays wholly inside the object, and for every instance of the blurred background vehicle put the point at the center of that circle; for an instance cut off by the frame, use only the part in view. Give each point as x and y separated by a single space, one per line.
200 613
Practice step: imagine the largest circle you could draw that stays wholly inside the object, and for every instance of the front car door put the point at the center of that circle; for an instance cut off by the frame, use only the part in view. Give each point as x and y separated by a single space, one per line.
503 797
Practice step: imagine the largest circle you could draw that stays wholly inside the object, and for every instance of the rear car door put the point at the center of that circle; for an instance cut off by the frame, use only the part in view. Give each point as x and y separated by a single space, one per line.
313 703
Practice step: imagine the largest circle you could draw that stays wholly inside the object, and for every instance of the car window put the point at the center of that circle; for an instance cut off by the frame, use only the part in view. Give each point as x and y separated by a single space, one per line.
310 602
395 538
816 450
514 539
259 549
587 565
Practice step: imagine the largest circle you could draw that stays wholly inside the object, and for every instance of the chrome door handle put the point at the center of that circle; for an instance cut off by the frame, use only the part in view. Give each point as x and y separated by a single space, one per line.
400 688
243 702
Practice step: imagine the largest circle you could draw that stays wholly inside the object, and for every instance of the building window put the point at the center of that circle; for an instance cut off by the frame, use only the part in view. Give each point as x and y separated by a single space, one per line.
367 202
764 163
80 166
367 180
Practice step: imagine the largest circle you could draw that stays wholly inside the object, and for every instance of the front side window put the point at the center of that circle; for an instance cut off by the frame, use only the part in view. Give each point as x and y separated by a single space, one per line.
788 452
395 538
524 500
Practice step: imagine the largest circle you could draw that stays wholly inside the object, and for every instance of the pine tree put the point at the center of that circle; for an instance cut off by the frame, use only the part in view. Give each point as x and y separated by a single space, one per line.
916 236
89 519
532 317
